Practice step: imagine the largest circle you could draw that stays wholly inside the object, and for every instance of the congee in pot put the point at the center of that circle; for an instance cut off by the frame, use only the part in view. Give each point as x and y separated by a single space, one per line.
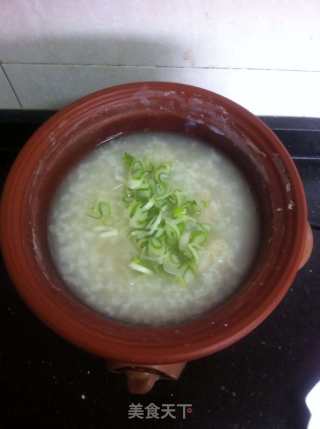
153 228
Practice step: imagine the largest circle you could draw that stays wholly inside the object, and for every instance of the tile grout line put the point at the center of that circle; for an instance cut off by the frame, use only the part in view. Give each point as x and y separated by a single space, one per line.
156 66
11 86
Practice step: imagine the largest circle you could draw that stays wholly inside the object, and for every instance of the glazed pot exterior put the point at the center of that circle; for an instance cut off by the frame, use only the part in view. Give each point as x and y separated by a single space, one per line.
67 137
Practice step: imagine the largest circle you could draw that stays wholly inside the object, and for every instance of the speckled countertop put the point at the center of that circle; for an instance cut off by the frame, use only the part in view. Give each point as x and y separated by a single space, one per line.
259 383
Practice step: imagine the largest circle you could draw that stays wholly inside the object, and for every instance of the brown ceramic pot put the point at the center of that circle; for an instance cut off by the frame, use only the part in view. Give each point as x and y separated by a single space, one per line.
146 353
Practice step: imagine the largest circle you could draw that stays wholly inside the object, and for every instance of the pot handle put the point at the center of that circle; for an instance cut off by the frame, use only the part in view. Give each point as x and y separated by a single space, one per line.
141 378
307 246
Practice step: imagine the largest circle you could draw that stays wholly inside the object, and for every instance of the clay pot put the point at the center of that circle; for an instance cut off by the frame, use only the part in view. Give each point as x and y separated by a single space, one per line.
146 353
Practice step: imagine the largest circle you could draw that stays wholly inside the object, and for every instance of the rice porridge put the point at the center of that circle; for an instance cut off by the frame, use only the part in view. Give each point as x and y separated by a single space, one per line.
212 222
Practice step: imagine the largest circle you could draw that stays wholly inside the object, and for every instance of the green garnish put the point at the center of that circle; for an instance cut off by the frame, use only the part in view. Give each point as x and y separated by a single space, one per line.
163 222
101 210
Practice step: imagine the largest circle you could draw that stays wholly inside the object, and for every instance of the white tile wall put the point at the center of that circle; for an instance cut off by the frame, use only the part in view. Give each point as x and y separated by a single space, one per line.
264 54
263 92
7 98
276 34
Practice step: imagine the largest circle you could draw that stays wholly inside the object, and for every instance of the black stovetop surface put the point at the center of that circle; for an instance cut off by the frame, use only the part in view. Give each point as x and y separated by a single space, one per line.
259 383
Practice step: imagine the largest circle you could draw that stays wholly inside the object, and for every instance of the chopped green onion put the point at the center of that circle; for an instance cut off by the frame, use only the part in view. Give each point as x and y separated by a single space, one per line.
163 222
128 159
100 210
138 265
110 233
